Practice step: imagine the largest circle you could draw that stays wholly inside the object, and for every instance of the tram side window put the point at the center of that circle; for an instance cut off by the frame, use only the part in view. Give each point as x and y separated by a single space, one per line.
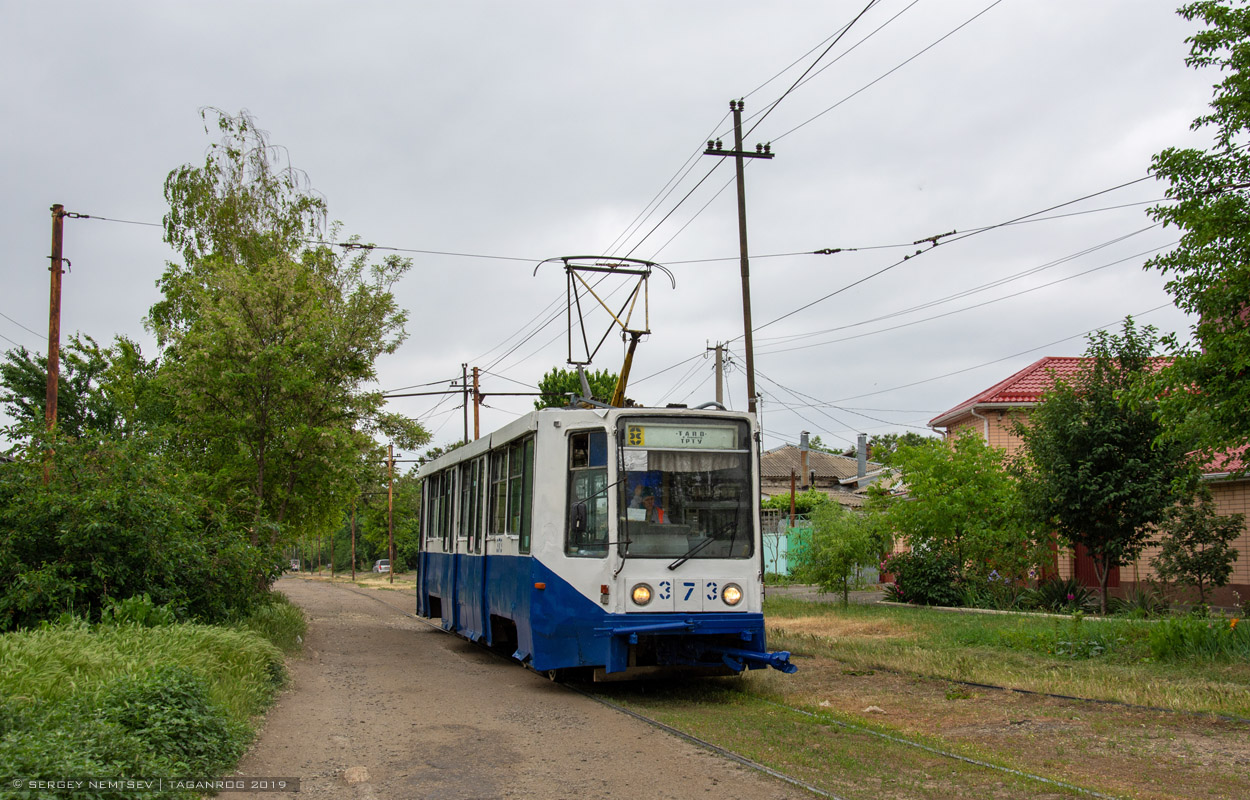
512 490
586 534
521 490
445 522
429 510
499 491
435 510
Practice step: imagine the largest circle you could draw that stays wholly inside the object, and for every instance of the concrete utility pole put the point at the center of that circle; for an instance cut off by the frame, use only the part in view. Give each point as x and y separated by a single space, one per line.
714 148
720 372
464 385
477 401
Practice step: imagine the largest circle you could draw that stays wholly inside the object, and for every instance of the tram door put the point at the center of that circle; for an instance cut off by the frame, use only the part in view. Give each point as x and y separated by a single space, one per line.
470 571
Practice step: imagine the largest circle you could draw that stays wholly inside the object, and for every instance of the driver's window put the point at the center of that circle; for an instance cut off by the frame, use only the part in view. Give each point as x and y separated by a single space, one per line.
586 532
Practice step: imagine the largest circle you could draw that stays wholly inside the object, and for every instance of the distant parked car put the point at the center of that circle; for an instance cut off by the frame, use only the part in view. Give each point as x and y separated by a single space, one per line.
382 565
295 565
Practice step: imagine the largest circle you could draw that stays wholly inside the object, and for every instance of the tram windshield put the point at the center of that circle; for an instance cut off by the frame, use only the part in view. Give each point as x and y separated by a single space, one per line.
685 489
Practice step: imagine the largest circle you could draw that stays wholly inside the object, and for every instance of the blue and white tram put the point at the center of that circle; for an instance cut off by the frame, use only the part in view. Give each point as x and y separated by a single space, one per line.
624 540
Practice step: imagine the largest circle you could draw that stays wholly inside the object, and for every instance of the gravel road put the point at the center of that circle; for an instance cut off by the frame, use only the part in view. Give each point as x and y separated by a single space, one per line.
382 706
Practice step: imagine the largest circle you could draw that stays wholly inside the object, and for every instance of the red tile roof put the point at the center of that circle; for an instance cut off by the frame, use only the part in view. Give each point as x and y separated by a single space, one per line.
1026 387
1229 462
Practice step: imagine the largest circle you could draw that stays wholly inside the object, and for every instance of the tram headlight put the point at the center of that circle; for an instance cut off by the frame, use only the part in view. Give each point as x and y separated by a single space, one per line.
732 594
641 594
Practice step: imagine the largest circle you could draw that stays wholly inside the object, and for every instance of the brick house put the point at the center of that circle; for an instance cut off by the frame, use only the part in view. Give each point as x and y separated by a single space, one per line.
992 413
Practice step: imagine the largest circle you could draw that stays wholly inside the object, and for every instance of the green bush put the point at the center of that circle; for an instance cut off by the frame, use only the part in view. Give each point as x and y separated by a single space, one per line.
994 592
278 620
1140 602
138 610
925 578
1061 596
124 700
117 521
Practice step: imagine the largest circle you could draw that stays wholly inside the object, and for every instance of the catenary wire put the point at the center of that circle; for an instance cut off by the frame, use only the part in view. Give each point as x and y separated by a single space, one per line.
770 351
956 238
833 250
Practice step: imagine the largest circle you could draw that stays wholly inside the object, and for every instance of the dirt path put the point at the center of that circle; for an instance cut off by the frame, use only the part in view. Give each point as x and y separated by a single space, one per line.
382 706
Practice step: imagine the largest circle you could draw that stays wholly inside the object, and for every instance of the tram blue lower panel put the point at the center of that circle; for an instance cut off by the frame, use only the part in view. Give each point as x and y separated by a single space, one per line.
557 627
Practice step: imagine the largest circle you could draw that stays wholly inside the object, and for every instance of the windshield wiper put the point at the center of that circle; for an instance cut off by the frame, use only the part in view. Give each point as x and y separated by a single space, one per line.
690 553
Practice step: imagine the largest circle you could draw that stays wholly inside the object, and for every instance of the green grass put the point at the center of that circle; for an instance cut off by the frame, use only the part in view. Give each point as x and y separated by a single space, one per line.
127 701
279 621
836 753
1109 659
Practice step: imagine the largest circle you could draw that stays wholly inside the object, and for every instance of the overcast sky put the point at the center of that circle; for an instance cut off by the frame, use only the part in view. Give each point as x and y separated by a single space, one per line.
530 130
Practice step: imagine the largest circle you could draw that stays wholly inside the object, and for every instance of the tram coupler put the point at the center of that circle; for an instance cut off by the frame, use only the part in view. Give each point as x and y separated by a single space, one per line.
750 659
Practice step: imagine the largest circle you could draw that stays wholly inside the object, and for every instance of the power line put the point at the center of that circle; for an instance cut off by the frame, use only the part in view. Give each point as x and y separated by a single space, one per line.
770 109
666 191
812 66
10 341
884 75
20 325
947 299
810 423
912 243
997 360
933 241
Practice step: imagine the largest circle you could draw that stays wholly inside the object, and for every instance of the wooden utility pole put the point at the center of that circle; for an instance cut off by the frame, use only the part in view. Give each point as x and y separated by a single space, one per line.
54 315
390 505
54 332
714 148
792 477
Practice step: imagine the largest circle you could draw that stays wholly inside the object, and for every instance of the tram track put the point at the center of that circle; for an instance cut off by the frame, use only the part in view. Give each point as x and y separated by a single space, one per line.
821 718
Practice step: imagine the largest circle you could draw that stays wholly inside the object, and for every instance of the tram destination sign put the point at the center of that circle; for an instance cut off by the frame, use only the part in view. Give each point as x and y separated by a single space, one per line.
681 437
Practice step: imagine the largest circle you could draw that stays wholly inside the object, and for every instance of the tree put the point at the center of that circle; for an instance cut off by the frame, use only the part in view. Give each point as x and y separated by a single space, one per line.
882 447
102 389
1209 201
961 502
1097 465
841 544
1195 546
558 384
114 520
269 337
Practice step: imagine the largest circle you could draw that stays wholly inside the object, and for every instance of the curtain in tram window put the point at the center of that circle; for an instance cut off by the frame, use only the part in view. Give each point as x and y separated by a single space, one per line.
695 462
